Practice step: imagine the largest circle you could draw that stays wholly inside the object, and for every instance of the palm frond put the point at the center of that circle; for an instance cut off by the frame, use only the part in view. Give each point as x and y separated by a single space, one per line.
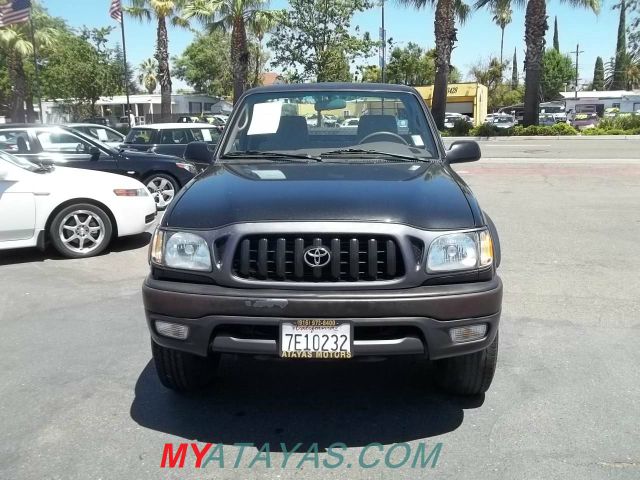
416 3
462 10
593 5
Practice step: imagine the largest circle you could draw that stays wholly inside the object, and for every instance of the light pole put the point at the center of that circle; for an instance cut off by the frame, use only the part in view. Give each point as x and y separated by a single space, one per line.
383 47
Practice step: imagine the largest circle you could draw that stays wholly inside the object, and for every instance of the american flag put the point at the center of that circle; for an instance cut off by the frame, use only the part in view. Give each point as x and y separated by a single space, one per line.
115 10
14 11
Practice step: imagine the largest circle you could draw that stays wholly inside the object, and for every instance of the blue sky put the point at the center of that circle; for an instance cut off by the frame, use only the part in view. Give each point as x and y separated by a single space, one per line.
478 39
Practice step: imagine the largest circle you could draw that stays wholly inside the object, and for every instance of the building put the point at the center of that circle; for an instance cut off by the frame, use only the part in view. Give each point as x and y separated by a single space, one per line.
466 98
599 101
143 106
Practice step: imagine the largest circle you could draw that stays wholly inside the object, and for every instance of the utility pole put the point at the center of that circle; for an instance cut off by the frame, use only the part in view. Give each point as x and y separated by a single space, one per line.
383 47
577 52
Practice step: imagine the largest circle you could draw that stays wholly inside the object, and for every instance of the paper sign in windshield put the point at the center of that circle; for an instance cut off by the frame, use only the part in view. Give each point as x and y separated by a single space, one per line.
266 118
206 135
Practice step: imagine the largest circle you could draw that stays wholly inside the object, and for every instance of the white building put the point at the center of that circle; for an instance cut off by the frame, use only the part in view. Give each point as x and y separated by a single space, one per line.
599 101
142 106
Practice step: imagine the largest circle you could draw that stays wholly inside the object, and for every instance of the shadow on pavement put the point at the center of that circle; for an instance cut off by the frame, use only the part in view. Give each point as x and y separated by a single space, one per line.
31 255
273 401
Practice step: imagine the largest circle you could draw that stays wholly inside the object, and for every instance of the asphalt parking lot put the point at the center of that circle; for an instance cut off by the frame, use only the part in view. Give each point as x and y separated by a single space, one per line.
79 397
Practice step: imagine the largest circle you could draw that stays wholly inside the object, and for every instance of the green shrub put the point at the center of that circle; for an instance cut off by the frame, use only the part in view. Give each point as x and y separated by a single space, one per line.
564 129
460 128
615 131
593 131
620 122
445 133
486 130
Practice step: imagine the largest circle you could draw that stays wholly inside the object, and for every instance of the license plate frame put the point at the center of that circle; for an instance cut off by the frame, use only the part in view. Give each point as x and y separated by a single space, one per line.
309 327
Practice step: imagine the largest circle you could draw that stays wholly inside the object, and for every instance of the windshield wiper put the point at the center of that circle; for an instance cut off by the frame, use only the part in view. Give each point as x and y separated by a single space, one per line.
279 155
362 151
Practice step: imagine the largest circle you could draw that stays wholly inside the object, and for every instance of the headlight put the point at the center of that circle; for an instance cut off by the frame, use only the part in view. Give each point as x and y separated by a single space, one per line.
460 251
131 192
187 166
180 250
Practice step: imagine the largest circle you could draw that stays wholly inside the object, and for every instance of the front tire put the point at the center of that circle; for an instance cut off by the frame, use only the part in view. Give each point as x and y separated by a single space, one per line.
163 189
183 372
81 230
469 374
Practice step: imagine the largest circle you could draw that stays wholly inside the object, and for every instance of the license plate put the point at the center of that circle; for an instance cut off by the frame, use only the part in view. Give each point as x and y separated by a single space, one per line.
319 339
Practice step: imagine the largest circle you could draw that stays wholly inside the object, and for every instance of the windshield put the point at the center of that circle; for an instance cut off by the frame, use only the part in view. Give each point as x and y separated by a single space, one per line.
18 162
308 123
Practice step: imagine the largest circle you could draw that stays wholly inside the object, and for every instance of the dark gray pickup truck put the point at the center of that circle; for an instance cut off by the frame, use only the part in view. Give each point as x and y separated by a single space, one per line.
310 242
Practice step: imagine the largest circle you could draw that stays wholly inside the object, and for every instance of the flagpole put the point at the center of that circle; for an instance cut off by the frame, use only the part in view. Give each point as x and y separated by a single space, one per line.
126 68
35 65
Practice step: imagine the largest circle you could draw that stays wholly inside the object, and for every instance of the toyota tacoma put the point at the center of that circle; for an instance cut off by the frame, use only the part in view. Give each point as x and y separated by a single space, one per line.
304 241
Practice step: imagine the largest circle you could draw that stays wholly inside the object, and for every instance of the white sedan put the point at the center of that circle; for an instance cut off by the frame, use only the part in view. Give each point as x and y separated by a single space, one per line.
78 211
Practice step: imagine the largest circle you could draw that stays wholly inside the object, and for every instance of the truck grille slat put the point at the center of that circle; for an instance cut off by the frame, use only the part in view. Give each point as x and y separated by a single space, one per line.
353 258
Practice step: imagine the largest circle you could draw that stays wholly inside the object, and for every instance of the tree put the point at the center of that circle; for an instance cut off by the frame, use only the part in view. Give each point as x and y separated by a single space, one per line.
557 71
556 40
503 95
80 74
502 17
535 30
161 11
633 7
515 80
411 65
446 13
488 73
234 16
148 75
631 72
370 74
16 46
206 64
259 26
598 75
619 75
313 39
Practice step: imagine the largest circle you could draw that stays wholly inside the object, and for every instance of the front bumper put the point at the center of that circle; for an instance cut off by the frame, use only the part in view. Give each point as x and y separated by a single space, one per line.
386 322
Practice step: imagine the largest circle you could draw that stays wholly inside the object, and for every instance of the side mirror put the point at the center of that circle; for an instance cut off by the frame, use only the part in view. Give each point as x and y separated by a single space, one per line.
198 152
95 153
463 151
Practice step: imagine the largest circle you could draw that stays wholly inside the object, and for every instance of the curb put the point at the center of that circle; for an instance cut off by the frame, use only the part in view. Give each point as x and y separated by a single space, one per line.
547 137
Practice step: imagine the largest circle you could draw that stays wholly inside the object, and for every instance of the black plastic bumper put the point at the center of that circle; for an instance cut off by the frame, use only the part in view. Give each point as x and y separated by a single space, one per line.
425 314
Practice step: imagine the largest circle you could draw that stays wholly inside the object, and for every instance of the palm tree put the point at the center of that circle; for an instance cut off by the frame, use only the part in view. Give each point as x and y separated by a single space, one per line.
16 45
630 74
535 23
161 10
259 26
502 12
149 74
445 34
234 15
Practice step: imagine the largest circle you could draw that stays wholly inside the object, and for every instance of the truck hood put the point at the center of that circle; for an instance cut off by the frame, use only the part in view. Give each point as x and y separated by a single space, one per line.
423 195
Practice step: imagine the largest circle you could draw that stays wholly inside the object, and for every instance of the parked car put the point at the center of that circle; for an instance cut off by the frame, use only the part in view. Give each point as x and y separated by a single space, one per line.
188 119
163 175
350 122
503 121
582 121
105 121
328 245
170 138
106 135
451 118
78 211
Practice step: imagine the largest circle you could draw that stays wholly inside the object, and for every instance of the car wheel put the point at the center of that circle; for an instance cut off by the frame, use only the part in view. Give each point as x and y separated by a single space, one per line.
162 188
183 372
469 374
80 230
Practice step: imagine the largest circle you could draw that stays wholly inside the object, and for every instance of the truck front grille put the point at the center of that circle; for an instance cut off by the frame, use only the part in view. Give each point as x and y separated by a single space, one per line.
289 258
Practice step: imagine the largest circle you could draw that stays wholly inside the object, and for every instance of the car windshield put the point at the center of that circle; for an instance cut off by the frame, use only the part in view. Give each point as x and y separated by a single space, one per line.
306 123
18 162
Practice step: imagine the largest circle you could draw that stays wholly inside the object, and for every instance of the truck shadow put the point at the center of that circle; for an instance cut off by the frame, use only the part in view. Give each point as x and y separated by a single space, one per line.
272 401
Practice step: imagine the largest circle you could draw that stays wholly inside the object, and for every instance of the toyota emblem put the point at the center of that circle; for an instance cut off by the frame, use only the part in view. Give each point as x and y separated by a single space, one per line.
317 256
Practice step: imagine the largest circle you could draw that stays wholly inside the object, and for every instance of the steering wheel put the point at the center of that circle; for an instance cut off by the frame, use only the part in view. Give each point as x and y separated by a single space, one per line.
395 137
